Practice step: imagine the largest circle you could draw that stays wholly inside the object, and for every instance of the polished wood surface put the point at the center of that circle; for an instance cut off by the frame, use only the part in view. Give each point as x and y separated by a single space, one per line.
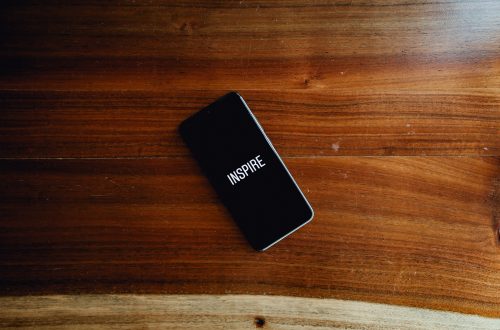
413 230
300 123
387 113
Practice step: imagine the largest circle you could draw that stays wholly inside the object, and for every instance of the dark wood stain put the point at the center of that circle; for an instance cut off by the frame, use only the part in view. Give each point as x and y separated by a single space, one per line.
387 114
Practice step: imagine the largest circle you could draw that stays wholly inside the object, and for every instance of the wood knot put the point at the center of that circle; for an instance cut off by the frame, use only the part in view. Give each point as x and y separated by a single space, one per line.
188 27
259 322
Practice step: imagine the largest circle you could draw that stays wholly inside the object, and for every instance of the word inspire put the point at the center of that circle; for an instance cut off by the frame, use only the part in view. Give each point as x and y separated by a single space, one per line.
244 170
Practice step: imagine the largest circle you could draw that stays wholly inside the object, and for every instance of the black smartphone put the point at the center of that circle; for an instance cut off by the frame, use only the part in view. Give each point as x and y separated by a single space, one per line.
246 171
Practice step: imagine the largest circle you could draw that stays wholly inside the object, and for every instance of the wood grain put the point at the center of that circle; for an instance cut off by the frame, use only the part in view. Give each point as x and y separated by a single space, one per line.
300 123
98 195
402 230
164 45
222 312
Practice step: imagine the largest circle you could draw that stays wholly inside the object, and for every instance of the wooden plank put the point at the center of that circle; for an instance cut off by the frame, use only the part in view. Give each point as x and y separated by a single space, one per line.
222 312
326 78
417 231
164 45
305 123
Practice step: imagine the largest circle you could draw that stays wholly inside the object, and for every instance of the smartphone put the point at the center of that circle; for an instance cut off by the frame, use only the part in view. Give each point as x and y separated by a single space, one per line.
245 170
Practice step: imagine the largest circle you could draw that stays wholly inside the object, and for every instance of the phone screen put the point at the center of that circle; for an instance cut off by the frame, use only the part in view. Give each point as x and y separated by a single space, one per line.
246 171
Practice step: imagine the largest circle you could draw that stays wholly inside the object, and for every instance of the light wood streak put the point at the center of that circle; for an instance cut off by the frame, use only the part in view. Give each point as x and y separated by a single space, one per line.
222 312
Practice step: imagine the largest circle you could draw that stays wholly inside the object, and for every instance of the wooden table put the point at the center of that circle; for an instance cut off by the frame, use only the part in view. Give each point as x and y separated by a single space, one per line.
387 113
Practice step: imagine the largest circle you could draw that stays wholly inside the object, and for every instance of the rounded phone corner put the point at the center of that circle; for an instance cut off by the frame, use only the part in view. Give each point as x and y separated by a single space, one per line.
312 214
234 93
